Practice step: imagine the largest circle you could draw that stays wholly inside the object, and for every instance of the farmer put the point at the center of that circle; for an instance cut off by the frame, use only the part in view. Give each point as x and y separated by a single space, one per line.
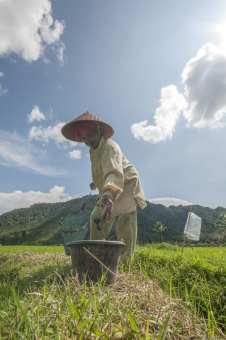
115 178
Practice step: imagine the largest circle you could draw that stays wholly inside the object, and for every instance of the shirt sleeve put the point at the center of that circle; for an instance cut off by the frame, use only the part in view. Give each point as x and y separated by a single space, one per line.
113 178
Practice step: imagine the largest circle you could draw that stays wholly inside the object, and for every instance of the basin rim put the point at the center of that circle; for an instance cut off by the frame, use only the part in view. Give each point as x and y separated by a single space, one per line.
98 242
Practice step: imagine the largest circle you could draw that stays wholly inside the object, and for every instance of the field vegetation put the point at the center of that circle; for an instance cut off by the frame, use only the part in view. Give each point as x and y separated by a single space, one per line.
163 295
198 277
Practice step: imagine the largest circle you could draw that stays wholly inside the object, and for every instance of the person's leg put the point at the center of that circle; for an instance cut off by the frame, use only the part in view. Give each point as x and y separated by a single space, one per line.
96 234
126 229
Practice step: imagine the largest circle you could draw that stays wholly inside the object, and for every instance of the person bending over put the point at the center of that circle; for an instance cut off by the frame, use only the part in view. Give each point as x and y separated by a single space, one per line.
116 179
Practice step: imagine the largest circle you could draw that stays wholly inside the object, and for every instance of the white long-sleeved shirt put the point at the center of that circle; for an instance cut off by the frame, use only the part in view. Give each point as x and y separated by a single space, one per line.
114 175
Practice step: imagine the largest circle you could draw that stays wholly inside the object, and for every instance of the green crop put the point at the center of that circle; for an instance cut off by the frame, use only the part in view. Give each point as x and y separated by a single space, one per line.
162 295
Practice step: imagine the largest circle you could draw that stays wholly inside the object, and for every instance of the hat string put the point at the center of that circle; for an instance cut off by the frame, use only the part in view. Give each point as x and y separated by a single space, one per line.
98 129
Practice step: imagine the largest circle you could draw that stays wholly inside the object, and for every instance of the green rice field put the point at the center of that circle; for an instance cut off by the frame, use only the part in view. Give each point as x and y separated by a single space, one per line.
162 295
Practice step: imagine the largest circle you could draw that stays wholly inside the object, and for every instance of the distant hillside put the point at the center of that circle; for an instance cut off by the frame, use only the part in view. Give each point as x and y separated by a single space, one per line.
38 224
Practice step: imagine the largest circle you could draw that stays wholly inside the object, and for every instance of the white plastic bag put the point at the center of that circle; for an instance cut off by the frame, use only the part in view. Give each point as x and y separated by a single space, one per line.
194 228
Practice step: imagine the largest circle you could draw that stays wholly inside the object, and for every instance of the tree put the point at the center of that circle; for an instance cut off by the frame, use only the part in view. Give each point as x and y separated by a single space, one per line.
160 228
222 222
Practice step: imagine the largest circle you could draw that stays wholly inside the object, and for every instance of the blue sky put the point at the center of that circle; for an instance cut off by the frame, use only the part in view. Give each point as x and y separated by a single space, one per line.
155 70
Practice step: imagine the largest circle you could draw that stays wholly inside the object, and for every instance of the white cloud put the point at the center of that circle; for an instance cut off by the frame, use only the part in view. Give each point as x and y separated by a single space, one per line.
50 114
50 133
204 79
166 116
2 91
35 114
60 52
167 201
204 103
75 154
16 151
50 35
27 27
19 199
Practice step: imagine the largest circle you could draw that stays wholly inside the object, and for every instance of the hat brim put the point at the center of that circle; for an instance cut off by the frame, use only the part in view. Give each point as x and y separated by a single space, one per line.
68 130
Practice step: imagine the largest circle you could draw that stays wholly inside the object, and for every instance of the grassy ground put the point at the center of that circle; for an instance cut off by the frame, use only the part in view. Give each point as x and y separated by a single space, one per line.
31 249
165 296
198 277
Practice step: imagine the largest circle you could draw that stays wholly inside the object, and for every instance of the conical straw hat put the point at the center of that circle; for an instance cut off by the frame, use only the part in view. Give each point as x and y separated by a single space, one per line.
68 130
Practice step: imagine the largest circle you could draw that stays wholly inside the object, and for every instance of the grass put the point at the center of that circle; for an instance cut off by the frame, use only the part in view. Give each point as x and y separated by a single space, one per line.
165 296
197 277
32 249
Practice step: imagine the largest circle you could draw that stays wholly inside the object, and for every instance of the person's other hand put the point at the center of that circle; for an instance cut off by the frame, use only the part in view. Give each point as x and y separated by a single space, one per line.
92 186
106 207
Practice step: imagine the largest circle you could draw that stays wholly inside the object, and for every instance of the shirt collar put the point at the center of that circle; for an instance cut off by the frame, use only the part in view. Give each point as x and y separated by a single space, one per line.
95 152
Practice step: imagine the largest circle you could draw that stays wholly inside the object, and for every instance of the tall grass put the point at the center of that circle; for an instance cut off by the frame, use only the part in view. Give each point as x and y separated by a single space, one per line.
39 298
197 277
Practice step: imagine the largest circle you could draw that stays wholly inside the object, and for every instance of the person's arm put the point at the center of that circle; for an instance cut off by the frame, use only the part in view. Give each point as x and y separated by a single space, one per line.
106 207
113 178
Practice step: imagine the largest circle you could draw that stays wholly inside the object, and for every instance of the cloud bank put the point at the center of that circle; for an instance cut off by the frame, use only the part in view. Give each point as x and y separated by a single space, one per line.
19 199
166 115
16 151
167 201
203 103
27 28
204 79
51 133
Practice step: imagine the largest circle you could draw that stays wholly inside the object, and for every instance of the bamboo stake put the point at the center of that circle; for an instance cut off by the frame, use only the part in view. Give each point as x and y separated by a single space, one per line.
102 264
186 231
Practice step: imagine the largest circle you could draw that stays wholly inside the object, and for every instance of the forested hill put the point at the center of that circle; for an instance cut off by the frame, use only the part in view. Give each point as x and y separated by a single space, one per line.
38 224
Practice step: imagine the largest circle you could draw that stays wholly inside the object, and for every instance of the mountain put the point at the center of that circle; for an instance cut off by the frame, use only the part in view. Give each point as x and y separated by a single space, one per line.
37 225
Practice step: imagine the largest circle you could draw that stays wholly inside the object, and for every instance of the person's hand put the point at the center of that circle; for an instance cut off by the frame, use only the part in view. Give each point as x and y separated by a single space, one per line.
106 207
92 186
